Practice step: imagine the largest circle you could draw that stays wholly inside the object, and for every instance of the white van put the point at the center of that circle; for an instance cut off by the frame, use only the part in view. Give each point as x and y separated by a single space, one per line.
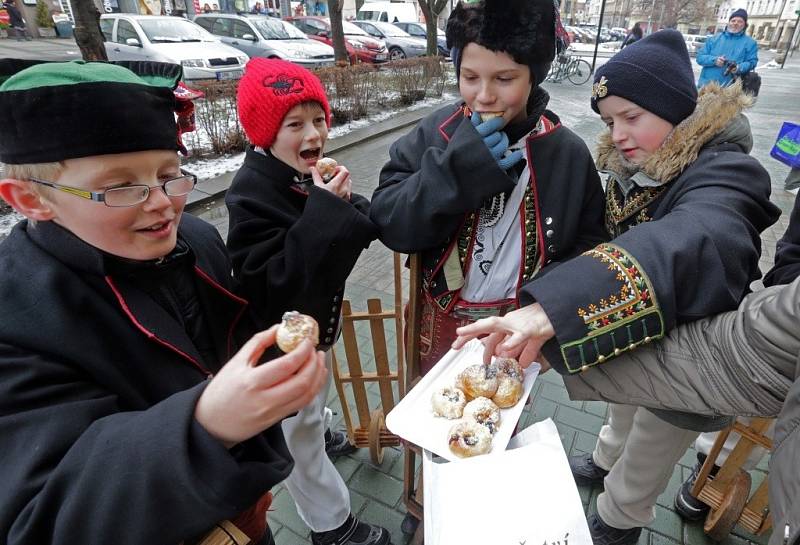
388 12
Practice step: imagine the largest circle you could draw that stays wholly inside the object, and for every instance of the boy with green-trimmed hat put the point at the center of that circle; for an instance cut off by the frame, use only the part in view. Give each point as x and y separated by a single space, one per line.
120 420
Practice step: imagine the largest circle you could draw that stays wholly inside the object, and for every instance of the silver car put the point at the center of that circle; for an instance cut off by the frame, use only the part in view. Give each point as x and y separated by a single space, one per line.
261 36
400 43
131 37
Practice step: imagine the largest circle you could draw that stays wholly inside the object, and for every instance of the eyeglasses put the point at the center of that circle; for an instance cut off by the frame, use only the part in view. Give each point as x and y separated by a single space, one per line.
129 195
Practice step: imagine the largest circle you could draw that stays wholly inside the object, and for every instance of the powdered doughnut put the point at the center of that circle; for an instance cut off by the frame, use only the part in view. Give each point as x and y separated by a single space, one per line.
294 328
327 168
484 412
509 382
448 402
478 381
468 438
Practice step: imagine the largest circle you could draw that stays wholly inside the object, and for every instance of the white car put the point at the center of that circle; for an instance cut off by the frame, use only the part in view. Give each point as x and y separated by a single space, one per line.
131 37
694 42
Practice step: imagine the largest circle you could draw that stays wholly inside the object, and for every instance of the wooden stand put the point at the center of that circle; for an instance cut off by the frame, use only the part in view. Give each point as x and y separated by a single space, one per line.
371 431
727 493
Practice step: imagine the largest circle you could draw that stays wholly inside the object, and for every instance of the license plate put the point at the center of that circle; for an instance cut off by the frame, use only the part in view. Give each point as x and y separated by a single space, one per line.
380 57
233 74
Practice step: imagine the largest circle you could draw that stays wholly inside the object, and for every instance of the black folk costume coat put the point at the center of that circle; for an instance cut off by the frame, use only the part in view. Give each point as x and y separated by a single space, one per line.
293 247
686 239
98 386
440 175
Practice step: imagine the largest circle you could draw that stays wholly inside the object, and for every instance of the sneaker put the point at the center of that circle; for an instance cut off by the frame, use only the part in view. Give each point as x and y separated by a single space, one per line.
352 532
337 444
585 471
603 534
686 505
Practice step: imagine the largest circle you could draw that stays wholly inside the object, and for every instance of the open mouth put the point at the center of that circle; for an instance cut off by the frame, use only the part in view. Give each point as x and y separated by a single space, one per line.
311 154
157 228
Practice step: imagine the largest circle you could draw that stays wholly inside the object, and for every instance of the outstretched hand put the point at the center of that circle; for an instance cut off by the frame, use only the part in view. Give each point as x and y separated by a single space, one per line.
519 334
245 398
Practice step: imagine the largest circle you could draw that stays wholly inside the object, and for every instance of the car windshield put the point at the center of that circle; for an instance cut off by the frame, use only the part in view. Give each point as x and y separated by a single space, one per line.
293 32
173 30
271 29
351 29
391 30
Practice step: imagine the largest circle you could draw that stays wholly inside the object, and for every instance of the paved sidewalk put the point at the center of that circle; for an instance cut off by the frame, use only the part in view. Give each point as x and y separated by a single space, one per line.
376 491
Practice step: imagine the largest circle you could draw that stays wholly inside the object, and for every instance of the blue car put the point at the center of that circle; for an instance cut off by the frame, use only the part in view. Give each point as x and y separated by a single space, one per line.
418 30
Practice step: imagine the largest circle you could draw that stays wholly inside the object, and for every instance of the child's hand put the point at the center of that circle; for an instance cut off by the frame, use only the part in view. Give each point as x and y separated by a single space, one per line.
245 398
340 185
496 140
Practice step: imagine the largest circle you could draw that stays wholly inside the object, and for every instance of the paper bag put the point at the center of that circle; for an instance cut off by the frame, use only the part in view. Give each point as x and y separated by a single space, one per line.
522 496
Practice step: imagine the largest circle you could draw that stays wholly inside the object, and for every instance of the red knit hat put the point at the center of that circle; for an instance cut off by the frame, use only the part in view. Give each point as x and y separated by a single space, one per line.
268 90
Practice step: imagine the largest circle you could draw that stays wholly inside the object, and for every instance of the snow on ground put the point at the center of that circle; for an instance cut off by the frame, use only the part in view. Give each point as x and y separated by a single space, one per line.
215 166
7 222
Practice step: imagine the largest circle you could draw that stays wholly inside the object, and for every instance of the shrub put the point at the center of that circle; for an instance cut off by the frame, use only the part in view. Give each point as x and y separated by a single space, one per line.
43 18
414 79
350 90
216 114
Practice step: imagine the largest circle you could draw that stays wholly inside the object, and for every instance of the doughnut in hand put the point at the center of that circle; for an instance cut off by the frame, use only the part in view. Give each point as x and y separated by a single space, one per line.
294 328
327 168
484 412
448 402
486 116
468 438
478 381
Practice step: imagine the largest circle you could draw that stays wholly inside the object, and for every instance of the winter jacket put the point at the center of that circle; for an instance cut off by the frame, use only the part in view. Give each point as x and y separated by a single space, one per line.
787 252
686 240
439 175
15 19
739 48
293 248
98 385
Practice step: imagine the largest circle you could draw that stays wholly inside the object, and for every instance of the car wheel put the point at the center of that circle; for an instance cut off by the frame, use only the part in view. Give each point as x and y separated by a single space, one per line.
396 54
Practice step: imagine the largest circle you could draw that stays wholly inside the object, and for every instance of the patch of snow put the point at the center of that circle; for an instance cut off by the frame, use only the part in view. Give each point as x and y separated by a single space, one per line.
216 166
7 222
771 64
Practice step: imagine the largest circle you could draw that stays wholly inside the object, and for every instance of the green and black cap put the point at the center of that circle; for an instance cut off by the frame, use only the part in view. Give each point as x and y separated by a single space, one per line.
63 110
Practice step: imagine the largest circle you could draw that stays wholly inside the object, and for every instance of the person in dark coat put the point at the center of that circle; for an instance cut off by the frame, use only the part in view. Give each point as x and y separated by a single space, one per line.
120 420
633 36
16 21
294 238
488 201
685 204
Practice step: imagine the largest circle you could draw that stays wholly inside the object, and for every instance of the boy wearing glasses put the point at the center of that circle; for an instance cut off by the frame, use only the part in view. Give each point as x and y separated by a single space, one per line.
120 420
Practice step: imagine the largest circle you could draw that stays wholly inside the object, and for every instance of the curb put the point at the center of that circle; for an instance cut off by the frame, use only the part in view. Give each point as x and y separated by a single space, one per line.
346 141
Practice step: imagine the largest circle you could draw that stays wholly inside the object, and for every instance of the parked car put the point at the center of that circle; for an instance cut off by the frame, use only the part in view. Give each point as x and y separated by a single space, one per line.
400 43
131 37
387 12
262 36
418 30
694 42
361 47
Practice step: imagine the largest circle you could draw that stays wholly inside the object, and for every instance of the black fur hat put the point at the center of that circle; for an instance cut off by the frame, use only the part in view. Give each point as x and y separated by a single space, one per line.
525 29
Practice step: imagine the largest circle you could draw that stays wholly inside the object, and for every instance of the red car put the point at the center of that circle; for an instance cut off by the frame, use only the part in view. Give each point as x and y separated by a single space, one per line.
361 47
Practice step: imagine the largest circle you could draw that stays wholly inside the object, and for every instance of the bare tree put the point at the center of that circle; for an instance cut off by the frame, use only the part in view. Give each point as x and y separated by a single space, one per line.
337 33
88 35
669 13
431 9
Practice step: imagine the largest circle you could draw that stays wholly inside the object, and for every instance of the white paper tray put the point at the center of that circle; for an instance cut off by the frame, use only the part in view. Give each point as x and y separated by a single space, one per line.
413 418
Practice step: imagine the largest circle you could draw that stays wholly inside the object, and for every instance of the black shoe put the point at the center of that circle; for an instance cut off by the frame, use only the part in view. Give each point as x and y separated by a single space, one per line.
337 444
585 471
409 524
603 534
686 505
352 532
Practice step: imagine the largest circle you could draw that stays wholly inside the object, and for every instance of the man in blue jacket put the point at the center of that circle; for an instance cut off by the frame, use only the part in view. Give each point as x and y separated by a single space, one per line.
727 54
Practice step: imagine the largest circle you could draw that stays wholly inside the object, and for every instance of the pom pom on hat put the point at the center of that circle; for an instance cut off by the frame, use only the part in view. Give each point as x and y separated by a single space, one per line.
268 90
655 73
741 12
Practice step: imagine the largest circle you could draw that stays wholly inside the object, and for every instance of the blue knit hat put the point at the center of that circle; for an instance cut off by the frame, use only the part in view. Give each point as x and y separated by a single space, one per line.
654 73
741 12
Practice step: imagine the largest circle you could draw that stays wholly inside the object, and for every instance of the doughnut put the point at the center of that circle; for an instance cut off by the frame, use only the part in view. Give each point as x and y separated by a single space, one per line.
478 381
509 382
448 402
294 328
486 116
327 168
467 438
483 411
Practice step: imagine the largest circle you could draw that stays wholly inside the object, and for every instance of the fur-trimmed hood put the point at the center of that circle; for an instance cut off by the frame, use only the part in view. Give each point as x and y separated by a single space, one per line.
717 119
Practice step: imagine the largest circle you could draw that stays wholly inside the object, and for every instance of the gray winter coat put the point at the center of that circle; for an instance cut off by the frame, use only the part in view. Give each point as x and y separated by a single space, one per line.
743 363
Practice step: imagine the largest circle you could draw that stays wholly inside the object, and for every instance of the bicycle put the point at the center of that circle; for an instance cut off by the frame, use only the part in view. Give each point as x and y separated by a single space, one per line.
571 67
